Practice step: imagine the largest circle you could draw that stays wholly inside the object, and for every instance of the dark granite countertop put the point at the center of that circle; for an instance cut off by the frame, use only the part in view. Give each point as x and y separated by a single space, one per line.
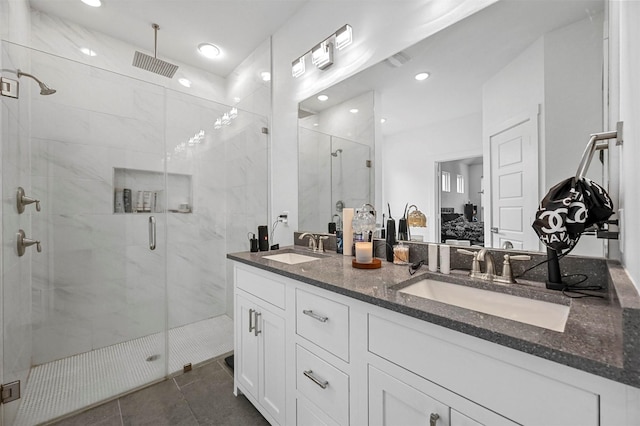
602 336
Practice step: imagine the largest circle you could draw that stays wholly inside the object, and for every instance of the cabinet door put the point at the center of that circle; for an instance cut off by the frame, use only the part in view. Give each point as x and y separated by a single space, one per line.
271 332
246 355
392 402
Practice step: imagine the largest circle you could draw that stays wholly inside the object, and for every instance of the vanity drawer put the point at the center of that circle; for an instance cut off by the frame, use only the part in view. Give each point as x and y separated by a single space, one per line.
322 383
261 286
323 322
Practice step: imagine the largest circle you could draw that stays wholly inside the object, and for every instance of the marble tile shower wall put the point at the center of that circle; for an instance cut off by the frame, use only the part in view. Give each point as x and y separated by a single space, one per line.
96 282
16 287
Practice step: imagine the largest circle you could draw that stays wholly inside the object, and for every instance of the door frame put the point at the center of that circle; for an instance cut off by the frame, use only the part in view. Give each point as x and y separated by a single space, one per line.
532 115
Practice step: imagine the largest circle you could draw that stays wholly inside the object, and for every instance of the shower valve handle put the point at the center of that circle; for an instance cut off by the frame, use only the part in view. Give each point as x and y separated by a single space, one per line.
22 242
22 200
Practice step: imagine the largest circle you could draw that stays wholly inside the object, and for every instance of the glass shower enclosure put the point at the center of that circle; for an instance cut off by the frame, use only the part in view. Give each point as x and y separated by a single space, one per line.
117 277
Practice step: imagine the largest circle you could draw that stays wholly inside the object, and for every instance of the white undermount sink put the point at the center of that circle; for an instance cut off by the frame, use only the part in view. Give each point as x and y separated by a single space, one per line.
543 314
291 258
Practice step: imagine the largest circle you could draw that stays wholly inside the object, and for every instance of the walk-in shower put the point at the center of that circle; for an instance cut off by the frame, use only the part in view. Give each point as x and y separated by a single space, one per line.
98 313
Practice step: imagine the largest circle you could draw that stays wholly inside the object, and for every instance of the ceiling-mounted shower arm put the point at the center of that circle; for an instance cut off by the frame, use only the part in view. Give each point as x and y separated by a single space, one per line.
597 142
155 27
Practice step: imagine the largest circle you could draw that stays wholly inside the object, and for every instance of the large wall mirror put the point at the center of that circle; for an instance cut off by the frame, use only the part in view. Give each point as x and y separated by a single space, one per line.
512 95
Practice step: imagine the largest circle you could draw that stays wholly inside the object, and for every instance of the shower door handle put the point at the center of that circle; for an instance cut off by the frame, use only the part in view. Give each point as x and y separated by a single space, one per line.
152 233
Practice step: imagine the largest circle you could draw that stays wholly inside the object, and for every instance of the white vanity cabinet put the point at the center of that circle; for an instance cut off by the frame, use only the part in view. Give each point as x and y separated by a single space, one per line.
322 358
415 401
260 342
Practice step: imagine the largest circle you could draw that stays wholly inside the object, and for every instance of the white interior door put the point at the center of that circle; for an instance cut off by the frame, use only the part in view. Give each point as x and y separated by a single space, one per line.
514 185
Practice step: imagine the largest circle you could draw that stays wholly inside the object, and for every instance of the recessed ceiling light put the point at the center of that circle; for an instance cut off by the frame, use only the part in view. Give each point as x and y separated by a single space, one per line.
322 98
185 82
209 50
88 51
92 3
265 76
383 120
353 110
315 124
422 76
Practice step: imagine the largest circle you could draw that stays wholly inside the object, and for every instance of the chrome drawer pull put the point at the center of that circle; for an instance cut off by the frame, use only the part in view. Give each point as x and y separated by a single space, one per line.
322 383
315 316
251 324
255 326
433 419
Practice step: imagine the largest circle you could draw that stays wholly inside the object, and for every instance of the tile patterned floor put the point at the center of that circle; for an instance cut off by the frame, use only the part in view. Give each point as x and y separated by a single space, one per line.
67 385
203 396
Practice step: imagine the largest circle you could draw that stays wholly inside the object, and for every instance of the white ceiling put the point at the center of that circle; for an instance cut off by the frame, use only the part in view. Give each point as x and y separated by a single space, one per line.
238 27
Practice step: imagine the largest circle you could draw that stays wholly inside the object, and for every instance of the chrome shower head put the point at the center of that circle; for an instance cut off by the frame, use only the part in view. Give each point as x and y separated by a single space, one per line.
44 89
336 152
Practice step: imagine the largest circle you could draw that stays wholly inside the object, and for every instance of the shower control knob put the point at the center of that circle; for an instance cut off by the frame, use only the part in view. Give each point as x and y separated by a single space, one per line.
22 200
22 242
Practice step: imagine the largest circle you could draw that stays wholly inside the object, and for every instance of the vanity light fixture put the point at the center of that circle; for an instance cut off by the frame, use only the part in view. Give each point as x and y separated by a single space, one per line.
233 113
88 51
353 110
322 98
322 53
218 124
185 82
92 3
422 76
209 50
298 67
344 37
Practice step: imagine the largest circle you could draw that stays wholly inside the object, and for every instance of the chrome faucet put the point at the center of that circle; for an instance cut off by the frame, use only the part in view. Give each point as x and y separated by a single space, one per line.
312 240
490 269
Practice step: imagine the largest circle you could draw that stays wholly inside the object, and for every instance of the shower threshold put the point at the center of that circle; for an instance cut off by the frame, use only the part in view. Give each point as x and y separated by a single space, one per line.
70 384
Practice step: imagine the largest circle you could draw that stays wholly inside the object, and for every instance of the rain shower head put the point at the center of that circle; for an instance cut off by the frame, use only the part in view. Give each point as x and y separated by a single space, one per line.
336 152
152 63
44 89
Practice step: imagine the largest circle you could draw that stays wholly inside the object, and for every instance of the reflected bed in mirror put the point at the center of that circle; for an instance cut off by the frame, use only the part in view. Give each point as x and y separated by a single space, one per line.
518 83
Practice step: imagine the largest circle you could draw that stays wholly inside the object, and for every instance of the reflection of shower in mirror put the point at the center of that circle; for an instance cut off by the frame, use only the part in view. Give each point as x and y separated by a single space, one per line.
336 152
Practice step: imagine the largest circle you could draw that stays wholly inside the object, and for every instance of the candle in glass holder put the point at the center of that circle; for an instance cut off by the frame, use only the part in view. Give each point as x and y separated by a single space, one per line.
364 251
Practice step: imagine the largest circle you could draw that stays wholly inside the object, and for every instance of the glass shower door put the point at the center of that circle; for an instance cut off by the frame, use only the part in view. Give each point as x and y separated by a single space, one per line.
86 315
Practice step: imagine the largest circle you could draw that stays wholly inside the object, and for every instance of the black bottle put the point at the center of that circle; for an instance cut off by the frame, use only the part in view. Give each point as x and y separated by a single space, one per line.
391 238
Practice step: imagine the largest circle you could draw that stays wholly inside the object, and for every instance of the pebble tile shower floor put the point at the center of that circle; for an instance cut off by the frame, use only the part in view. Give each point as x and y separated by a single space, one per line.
69 384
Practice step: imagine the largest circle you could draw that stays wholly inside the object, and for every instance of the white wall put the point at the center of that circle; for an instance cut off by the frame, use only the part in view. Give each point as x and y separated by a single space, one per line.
410 178
625 71
453 198
380 29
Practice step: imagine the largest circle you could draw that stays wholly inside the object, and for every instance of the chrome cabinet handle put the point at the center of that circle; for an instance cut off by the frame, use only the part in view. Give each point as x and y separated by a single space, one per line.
22 242
22 200
313 315
322 383
256 331
152 233
251 324
433 419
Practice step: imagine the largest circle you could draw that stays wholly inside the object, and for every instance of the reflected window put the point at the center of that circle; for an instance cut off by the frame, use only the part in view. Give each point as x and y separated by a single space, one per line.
446 182
460 184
